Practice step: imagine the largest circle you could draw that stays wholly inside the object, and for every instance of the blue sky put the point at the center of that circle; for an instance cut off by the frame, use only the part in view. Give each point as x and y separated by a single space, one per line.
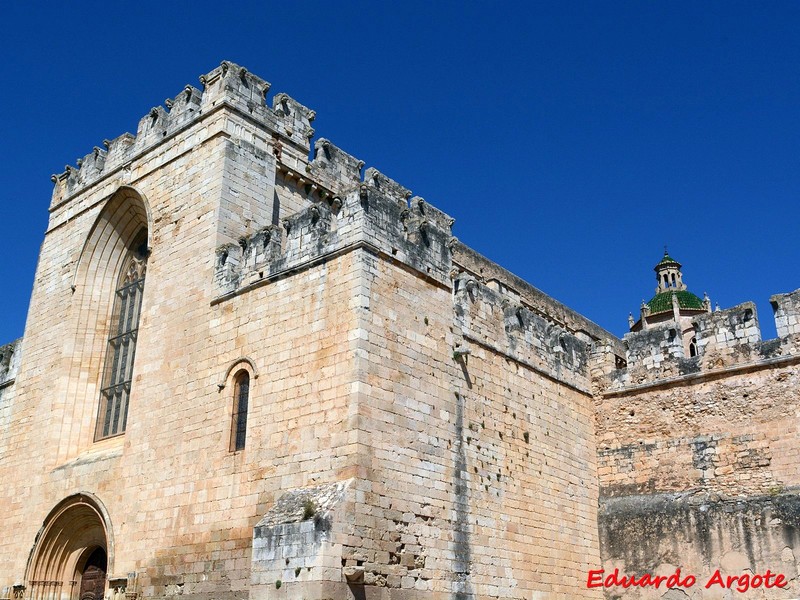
571 141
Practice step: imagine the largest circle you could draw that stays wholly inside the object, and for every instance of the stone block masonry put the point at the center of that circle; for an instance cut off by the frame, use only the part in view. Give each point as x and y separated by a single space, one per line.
419 421
10 355
697 456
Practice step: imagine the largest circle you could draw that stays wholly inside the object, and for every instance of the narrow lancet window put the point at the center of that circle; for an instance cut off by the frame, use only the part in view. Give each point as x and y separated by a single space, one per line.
118 372
241 395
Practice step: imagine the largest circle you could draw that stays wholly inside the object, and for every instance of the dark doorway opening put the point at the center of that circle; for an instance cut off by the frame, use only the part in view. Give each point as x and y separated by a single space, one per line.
93 578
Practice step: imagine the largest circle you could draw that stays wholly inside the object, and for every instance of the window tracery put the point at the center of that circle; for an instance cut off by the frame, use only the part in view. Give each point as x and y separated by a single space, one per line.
121 349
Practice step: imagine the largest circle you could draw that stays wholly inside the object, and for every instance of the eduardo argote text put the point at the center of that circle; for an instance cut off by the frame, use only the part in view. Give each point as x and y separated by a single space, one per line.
740 583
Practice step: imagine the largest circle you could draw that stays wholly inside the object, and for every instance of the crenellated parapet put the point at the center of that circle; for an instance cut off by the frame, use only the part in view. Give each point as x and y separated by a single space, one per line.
333 167
721 340
728 336
654 349
490 320
497 311
233 83
287 122
520 291
787 313
388 187
235 86
372 214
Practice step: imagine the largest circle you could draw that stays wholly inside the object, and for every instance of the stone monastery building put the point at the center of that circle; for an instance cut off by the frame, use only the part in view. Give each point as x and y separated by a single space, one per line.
247 373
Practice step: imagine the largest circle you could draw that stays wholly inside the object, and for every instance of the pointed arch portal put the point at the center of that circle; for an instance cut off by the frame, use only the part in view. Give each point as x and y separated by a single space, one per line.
72 553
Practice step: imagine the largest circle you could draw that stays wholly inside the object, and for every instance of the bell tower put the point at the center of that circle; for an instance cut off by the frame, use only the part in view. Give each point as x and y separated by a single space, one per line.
673 302
668 275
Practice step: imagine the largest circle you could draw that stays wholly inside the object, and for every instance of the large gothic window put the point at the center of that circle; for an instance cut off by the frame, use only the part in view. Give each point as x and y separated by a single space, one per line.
121 349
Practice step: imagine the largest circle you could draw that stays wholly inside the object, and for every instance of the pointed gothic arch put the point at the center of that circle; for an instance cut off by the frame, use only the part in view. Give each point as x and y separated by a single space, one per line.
124 215
120 235
72 553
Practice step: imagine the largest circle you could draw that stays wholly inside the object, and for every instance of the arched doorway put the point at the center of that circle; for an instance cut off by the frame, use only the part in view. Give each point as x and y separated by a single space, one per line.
72 553
93 576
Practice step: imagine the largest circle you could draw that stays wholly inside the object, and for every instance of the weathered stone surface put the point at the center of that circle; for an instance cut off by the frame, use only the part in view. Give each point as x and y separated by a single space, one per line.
420 422
698 455
10 356
658 533
431 472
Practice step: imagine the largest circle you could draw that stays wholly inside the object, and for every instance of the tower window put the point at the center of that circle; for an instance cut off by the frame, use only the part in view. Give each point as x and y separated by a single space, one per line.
241 397
118 372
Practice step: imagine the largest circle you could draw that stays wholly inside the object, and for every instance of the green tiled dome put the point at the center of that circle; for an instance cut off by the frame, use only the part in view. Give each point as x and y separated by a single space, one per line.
667 260
663 302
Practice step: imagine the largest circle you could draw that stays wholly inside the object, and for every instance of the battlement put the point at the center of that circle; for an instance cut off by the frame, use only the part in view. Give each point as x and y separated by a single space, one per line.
490 319
492 307
787 313
722 340
373 213
230 85
523 293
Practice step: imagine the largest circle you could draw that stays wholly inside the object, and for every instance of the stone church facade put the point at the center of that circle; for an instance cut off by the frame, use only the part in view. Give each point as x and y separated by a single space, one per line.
248 372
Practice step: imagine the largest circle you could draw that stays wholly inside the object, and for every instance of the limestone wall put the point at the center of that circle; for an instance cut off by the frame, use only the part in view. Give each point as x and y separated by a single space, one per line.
753 539
182 505
474 457
10 357
698 457
425 508
51 450
428 471
724 338
733 434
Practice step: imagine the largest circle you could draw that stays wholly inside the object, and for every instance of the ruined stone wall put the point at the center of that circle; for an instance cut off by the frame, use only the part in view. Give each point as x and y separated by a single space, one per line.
754 539
718 422
698 457
731 434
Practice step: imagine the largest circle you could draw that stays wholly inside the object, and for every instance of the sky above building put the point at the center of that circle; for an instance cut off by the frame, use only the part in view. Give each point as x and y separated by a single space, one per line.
570 141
